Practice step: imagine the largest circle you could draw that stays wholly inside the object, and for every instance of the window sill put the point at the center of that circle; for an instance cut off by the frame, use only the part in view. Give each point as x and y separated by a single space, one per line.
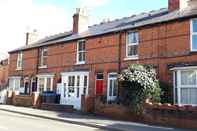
131 58
18 69
42 67
80 63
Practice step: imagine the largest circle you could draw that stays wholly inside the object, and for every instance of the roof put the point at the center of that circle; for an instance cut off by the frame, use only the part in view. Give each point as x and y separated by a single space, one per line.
134 21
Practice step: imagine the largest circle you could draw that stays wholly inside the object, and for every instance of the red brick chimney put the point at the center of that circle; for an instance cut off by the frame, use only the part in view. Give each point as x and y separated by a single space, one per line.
80 21
173 5
181 4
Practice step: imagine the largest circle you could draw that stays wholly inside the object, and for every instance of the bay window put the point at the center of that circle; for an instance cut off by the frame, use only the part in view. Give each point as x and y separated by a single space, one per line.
14 83
185 87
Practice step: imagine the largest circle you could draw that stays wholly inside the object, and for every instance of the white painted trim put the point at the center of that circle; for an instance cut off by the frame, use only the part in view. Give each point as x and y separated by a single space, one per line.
191 34
19 59
127 44
108 79
131 58
42 67
45 76
184 68
75 73
179 86
77 55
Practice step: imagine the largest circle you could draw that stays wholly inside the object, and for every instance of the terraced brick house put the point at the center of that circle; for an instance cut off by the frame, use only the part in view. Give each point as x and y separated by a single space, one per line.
86 60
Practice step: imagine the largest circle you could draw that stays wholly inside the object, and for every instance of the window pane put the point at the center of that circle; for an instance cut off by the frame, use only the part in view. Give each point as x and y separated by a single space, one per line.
81 46
81 56
132 50
132 37
99 76
184 96
110 87
188 78
41 84
115 88
49 84
78 81
45 52
44 61
85 81
188 96
194 25
194 42
193 96
176 96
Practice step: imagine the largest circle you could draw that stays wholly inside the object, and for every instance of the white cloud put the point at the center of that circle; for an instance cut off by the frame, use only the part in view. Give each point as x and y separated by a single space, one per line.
18 15
92 3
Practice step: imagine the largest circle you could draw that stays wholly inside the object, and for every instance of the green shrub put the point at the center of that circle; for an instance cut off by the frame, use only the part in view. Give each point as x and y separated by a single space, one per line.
137 84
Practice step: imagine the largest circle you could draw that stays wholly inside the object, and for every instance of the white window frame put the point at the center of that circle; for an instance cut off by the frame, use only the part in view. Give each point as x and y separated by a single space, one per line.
83 51
15 78
19 62
191 35
45 77
41 64
111 98
133 57
178 82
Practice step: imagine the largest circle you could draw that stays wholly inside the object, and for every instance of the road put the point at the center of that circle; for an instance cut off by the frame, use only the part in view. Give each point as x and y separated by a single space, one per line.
17 122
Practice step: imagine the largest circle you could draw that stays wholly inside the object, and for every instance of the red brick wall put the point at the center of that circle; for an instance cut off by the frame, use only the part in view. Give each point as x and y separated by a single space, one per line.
159 45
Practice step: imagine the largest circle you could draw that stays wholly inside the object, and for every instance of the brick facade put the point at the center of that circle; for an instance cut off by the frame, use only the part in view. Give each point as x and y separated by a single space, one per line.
3 73
158 46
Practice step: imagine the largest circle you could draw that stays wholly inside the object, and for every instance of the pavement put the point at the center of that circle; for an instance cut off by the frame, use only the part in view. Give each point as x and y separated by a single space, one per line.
17 122
91 121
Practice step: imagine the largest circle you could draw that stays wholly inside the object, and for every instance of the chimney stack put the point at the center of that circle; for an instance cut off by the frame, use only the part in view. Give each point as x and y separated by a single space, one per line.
181 4
31 37
80 21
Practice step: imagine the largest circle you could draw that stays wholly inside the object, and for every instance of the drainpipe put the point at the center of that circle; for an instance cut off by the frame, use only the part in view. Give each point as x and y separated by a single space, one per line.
37 66
119 58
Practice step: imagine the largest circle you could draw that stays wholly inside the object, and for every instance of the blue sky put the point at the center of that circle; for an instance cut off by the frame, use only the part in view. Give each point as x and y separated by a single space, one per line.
109 9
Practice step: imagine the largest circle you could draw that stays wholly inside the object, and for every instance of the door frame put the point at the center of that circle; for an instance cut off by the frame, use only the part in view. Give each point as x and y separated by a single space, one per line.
108 84
79 73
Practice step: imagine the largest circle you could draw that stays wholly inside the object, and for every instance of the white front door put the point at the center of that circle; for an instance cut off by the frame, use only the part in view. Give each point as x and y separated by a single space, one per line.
74 84
112 87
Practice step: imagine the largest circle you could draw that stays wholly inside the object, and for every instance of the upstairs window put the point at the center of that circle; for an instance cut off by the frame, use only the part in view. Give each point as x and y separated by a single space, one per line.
194 35
19 61
43 54
132 45
81 52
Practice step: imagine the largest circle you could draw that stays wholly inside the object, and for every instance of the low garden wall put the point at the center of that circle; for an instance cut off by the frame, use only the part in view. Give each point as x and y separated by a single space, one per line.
161 114
170 115
23 100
